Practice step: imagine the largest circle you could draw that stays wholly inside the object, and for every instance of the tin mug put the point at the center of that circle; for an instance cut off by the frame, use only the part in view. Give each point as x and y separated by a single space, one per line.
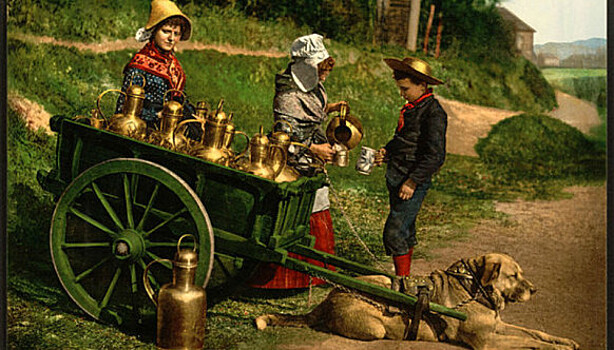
341 157
364 164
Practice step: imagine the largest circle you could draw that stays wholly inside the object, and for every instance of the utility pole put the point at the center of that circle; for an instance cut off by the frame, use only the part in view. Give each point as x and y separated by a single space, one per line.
412 26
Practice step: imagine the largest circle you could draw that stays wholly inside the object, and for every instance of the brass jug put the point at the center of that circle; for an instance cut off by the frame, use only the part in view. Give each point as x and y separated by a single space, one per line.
229 136
282 139
263 161
169 136
344 129
211 147
181 305
129 122
94 120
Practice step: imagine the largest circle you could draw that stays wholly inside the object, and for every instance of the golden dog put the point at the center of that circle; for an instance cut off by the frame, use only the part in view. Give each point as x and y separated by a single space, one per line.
480 287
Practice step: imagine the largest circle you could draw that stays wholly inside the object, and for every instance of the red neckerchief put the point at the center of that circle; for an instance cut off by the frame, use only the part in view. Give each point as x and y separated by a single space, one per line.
163 65
410 105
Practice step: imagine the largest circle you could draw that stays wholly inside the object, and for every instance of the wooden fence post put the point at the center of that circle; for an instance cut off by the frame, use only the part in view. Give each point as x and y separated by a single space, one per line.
439 30
428 28
412 25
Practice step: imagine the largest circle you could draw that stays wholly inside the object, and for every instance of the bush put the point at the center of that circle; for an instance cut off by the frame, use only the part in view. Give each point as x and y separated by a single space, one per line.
534 147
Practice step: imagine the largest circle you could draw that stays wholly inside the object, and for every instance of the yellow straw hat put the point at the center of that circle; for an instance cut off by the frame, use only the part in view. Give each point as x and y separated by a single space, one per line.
163 9
414 66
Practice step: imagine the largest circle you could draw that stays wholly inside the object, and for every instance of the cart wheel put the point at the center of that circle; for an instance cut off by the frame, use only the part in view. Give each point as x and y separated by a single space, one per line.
110 222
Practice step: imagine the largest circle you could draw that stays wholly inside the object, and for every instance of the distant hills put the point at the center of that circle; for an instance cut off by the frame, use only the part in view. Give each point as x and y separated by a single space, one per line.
589 53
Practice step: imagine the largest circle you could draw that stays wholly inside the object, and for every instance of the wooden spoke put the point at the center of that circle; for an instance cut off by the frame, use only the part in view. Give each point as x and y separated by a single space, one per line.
111 288
87 272
165 222
152 198
92 221
107 206
128 201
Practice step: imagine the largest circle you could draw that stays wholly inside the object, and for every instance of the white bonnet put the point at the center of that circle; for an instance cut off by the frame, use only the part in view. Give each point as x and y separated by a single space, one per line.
306 52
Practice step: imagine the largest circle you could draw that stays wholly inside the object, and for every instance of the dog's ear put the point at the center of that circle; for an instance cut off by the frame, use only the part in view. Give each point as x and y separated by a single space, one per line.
490 272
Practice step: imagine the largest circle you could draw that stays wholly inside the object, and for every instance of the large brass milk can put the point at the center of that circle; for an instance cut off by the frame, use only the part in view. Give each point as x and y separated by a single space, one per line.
263 158
168 136
282 140
181 305
128 122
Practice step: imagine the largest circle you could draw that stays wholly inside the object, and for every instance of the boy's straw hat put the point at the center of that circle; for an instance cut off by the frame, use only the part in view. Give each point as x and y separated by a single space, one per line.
415 67
163 9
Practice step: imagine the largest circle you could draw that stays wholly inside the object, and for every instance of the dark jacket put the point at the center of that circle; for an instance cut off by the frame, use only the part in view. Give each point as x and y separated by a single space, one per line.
418 149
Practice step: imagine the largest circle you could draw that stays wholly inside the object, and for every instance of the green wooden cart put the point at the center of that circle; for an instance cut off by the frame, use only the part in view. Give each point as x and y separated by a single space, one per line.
122 203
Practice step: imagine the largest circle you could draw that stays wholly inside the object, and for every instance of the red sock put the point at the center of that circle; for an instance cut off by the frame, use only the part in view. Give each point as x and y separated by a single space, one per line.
402 263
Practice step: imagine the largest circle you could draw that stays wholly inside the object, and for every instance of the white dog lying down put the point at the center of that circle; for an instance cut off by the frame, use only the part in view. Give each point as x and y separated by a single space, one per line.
498 280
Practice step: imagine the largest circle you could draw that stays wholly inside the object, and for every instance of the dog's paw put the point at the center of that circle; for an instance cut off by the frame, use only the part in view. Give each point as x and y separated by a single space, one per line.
260 322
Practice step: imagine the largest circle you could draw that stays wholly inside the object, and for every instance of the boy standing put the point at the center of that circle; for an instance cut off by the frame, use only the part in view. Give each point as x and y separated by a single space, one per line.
414 154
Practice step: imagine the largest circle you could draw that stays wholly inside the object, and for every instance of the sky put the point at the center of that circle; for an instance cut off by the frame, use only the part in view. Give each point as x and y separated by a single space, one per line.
561 20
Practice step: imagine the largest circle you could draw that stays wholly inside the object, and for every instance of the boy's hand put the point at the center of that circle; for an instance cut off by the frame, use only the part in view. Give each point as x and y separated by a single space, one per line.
323 150
336 107
407 189
380 157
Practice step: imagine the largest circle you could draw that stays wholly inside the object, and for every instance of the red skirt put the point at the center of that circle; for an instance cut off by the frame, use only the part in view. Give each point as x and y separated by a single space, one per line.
273 276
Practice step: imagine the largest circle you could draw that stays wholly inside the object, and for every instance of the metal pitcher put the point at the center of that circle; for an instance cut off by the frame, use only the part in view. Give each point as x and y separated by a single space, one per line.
94 120
129 122
172 114
282 140
263 159
344 129
211 147
181 305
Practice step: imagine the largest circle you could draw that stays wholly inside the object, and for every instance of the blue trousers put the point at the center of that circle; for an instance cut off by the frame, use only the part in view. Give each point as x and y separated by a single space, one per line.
400 227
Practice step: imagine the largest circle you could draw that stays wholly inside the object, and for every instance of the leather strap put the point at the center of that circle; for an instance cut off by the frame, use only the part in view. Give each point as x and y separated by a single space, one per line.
421 307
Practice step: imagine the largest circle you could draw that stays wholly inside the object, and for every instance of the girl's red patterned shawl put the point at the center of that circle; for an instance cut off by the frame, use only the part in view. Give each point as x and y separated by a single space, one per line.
163 65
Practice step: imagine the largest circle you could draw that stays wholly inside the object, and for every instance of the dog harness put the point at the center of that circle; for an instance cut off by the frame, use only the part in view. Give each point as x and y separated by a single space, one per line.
467 278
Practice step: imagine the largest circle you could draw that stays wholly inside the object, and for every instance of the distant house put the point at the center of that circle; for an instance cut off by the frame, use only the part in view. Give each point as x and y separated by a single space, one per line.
548 60
523 34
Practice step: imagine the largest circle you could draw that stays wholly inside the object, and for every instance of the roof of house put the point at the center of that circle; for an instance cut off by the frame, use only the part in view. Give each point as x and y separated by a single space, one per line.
518 24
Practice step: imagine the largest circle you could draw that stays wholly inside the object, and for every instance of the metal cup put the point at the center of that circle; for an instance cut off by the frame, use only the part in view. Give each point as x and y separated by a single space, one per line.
341 157
364 164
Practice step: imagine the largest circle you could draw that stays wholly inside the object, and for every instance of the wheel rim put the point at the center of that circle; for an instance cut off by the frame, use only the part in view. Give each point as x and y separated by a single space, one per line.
111 221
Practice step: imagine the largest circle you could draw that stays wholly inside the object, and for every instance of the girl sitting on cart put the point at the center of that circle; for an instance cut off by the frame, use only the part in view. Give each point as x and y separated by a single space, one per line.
157 62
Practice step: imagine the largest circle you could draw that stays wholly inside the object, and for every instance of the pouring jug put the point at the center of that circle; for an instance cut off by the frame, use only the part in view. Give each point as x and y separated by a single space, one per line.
282 140
344 129
167 137
263 161
211 147
181 305
95 120
128 123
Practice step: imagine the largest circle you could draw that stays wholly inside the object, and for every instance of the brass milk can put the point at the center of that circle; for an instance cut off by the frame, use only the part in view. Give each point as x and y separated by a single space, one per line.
181 305
168 136
263 160
129 122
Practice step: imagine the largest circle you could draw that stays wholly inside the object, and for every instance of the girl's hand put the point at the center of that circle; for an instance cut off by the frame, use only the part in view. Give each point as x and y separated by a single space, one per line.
407 189
323 150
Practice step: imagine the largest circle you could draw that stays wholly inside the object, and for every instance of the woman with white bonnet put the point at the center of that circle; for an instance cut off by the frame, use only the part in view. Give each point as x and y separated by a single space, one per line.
156 61
301 100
